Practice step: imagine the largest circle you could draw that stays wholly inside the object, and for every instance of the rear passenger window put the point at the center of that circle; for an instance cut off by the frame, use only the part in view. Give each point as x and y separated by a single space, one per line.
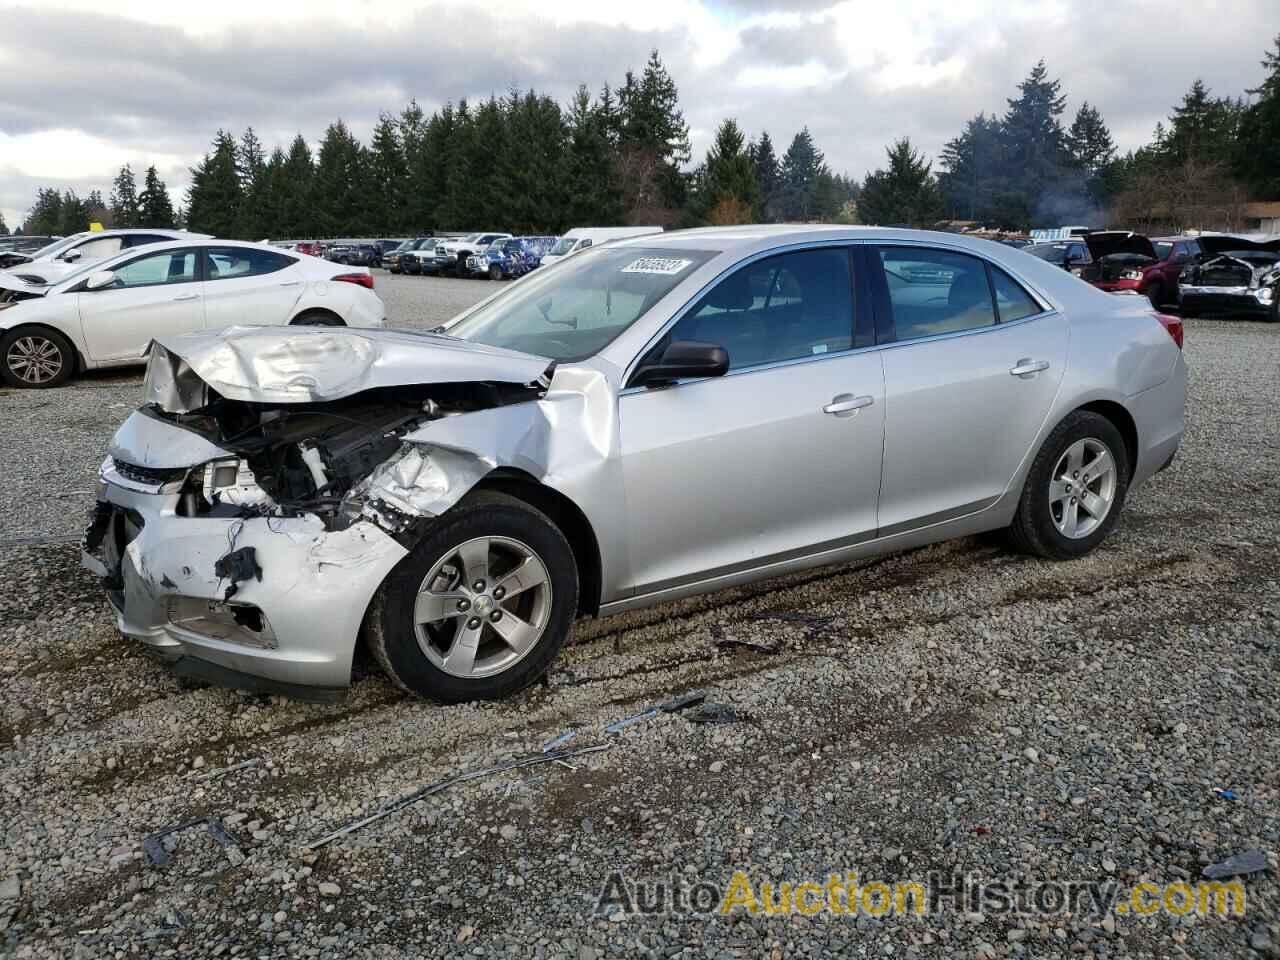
783 308
936 291
224 263
1012 302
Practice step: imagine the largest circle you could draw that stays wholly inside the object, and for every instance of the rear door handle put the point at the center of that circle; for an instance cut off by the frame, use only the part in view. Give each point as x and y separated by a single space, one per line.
846 404
1026 368
187 296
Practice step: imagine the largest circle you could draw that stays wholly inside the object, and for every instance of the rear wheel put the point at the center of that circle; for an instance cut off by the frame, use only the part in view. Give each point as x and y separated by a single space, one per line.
481 606
1075 489
36 358
1155 293
495 272
317 318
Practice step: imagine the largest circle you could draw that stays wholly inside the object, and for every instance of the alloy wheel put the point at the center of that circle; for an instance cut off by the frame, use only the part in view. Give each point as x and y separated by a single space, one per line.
34 359
1082 488
483 607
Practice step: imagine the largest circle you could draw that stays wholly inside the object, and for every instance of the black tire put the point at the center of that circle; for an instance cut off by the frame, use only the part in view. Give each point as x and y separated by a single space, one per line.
1033 529
495 272
1273 315
317 318
391 632
1155 293
36 358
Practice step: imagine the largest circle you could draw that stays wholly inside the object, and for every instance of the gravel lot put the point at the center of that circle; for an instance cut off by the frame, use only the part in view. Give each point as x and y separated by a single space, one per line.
964 709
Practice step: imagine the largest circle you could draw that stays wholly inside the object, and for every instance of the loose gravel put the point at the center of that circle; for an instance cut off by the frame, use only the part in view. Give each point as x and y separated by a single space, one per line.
957 708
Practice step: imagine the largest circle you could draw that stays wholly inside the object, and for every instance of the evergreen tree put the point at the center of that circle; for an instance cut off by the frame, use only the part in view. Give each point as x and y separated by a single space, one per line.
1089 141
728 191
73 214
1201 126
416 206
802 165
252 222
653 140
768 176
905 193
387 177
295 187
4 227
96 208
124 199
45 216
1258 152
339 194
594 197
154 207
457 210
215 195
1034 146
432 183
972 169
533 190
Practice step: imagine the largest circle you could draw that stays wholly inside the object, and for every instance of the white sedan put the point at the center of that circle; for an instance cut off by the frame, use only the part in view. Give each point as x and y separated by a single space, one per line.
107 314
60 259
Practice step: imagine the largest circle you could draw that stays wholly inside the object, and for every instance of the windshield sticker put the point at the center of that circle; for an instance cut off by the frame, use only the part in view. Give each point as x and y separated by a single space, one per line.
660 265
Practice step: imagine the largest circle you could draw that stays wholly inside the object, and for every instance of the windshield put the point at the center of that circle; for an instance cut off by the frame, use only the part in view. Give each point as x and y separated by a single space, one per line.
1053 252
1162 248
580 307
563 246
56 247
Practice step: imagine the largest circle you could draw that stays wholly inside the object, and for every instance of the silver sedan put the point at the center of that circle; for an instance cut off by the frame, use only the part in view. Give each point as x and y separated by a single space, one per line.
651 419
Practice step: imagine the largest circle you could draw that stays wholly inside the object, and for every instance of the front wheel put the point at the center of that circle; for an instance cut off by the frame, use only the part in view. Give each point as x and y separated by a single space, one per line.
481 606
36 358
317 318
495 272
1075 489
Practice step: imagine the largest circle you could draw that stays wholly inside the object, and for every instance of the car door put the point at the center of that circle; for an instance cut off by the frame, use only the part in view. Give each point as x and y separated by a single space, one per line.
778 458
152 294
972 362
246 285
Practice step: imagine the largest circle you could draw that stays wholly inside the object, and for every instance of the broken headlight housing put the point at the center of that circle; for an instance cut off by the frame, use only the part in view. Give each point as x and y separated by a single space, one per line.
229 481
1130 274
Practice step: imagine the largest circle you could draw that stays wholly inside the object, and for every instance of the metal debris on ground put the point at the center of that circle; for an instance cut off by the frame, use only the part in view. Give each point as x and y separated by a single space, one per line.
153 845
433 788
714 713
671 706
1241 865
223 771
773 646
559 741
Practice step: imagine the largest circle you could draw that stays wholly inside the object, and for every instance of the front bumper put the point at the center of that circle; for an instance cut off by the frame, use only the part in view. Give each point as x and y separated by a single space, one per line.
1224 300
295 627
1120 286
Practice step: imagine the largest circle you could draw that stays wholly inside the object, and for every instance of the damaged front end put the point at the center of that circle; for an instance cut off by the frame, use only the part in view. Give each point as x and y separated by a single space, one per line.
1240 281
250 509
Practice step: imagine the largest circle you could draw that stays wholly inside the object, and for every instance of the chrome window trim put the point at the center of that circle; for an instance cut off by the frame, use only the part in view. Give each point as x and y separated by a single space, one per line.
1047 310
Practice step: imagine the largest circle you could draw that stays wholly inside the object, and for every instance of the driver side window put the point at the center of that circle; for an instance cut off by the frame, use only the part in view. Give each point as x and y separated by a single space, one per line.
781 308
172 266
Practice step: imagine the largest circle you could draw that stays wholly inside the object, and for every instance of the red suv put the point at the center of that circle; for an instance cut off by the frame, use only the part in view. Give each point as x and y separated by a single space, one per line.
1158 281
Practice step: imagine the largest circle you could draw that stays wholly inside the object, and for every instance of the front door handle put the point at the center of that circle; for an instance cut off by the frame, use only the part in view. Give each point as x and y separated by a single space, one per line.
187 296
1026 368
288 283
847 405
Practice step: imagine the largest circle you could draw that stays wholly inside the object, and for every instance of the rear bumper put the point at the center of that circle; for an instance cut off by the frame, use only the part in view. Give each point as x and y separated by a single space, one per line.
296 625
1159 415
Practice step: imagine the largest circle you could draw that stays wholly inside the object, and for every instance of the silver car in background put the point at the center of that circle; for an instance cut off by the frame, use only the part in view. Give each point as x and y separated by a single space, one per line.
656 418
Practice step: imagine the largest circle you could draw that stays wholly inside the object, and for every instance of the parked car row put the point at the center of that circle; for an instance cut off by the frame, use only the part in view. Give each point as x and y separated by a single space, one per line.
99 299
498 256
1210 274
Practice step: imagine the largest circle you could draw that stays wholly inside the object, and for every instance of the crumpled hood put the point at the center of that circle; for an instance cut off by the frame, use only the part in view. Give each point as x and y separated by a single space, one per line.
312 364
10 281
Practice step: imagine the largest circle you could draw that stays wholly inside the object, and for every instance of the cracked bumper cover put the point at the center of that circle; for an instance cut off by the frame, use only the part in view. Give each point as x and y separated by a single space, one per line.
315 587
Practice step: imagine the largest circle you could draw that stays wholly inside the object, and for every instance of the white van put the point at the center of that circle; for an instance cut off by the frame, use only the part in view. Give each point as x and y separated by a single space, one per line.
582 237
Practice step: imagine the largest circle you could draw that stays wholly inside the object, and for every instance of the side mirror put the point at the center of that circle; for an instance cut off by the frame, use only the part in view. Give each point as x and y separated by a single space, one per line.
71 256
100 280
682 360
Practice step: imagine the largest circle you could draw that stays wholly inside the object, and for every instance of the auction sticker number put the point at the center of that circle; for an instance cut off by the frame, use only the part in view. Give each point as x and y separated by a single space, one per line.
662 265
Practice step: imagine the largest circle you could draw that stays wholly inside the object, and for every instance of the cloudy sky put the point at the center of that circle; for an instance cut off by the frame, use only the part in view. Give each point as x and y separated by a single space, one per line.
86 90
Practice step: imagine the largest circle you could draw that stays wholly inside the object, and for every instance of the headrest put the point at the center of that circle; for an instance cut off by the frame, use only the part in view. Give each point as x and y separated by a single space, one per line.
969 289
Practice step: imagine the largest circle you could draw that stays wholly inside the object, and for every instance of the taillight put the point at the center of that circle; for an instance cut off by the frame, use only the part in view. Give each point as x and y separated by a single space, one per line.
1173 325
363 279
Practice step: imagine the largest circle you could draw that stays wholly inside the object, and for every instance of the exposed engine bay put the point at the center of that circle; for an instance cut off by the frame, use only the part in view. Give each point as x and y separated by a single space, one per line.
9 297
318 458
